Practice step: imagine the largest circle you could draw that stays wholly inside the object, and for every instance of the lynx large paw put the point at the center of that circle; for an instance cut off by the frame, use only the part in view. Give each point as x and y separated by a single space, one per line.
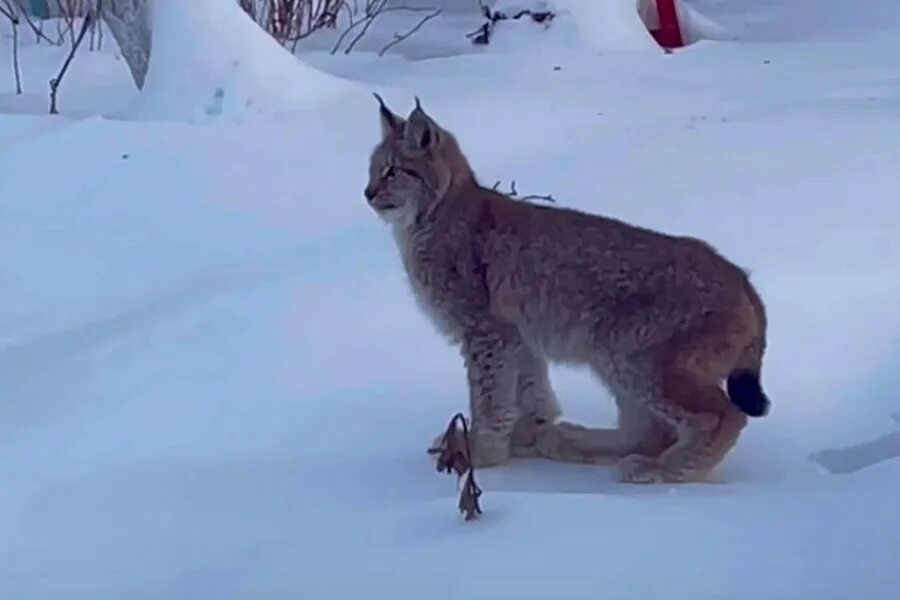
637 468
526 436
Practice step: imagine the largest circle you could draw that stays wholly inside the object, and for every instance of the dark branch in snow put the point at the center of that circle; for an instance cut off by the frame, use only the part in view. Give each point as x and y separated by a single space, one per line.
482 35
373 10
9 12
513 193
12 13
398 37
54 83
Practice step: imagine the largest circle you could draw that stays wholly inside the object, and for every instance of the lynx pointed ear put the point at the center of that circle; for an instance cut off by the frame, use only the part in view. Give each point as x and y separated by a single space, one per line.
390 123
420 131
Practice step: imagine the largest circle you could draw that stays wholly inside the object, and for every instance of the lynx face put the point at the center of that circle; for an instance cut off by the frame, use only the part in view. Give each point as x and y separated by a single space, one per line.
407 173
398 189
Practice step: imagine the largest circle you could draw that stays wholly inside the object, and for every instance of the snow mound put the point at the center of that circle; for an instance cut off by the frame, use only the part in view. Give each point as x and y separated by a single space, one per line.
607 26
612 25
210 60
694 25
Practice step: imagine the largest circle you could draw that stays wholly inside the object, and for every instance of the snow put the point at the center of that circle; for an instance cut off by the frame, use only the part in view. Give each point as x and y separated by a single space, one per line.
217 385
233 70
609 26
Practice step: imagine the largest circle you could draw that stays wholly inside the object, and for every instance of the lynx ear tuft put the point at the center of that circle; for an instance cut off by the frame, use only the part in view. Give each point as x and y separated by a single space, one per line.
420 132
390 123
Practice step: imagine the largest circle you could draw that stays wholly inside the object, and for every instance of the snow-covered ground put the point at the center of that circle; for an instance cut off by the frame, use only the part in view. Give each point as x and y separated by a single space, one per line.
215 384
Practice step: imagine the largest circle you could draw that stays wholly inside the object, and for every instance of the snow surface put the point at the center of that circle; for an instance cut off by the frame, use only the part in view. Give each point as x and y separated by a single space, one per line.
232 71
215 383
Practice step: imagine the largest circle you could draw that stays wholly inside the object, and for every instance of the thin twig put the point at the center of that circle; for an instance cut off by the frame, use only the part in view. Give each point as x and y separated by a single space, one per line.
400 37
54 83
513 193
16 68
38 31
12 13
9 12
371 13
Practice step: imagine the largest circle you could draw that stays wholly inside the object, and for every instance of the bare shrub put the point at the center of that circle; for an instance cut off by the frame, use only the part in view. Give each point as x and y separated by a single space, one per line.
289 21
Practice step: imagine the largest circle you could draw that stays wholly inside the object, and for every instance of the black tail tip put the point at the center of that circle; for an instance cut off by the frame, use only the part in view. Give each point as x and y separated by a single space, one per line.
746 393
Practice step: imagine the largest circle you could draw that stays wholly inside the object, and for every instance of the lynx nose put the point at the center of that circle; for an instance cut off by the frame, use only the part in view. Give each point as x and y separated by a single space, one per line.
370 192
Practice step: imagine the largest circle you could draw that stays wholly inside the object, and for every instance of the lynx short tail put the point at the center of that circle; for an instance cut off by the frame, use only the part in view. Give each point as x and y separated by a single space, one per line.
746 393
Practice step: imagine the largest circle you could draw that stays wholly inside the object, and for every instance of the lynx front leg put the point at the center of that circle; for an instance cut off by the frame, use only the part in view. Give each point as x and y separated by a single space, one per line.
492 370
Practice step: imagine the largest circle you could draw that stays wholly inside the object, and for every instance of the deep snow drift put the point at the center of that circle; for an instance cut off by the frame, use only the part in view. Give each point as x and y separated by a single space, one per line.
233 69
215 383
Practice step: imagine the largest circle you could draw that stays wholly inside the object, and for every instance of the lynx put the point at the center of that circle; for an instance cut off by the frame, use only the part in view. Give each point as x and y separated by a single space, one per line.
674 331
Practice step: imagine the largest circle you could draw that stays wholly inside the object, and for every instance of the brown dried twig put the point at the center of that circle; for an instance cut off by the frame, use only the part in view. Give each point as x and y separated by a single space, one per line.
455 454
289 21
400 37
513 193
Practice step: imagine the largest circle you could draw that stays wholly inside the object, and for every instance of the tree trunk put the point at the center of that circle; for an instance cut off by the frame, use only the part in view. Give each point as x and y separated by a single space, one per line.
129 22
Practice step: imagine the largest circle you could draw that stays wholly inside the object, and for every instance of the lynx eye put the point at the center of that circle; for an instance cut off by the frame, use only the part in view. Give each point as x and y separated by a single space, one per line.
388 171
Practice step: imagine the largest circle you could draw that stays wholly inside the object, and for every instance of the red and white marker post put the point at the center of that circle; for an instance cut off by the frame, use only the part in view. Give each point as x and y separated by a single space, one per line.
669 33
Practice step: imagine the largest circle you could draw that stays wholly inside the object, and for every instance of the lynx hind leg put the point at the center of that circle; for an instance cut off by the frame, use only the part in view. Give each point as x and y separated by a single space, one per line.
638 431
536 401
703 440
691 401
572 443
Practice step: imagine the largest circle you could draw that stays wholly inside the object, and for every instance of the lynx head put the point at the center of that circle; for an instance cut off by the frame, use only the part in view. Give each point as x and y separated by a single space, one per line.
415 166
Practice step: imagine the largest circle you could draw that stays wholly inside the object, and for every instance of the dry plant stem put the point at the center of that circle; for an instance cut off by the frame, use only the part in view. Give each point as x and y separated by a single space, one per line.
513 193
67 10
400 37
12 13
374 9
458 457
9 11
289 21
98 26
54 83
15 54
37 30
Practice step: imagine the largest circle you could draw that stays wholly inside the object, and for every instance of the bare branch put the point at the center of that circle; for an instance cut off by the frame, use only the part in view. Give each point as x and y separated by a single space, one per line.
513 193
368 23
400 37
54 83
39 34
374 9
12 13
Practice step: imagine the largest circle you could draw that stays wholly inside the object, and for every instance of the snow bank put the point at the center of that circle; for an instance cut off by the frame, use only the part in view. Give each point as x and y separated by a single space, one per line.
209 59
607 26
216 384
695 26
